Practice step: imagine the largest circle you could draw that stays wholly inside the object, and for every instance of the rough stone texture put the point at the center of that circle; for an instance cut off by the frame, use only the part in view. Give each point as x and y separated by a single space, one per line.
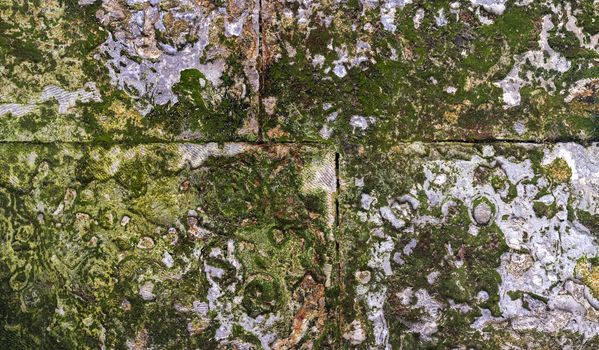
482 213
444 273
165 246
299 174
424 70
128 70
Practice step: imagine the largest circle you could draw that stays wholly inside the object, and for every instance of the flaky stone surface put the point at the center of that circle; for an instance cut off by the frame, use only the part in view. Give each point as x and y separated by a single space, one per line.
299 174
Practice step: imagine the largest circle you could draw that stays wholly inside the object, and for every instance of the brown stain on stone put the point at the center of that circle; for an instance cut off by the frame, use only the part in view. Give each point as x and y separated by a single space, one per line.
312 312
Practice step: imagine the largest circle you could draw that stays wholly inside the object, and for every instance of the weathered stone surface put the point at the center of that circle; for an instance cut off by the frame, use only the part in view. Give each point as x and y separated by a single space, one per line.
299 174
478 246
166 246
382 71
128 70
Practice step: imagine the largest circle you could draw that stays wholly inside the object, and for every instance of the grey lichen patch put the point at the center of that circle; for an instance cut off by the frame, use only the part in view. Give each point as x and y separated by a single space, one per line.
154 46
444 253
416 70
152 42
483 211
65 100
164 246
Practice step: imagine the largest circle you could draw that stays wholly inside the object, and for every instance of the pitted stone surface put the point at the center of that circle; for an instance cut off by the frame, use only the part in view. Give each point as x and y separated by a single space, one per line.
299 174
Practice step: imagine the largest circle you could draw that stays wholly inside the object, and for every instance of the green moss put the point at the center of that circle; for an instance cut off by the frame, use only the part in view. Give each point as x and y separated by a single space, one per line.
515 294
587 18
261 296
591 221
512 193
538 297
558 171
407 96
568 44
194 112
543 210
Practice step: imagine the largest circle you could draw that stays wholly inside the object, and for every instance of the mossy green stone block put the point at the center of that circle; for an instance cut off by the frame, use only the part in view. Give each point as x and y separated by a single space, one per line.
132 71
444 246
166 246
389 71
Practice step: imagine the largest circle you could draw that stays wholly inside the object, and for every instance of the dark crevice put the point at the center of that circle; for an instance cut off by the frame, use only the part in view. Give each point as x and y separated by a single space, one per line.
166 142
262 141
515 141
261 69
338 187
337 234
